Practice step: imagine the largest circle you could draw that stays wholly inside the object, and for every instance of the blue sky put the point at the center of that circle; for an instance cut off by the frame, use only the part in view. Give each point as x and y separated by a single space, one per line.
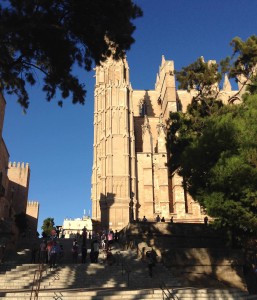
58 142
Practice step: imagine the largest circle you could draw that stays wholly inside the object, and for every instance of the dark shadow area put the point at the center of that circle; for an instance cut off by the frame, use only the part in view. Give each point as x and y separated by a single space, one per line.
18 195
145 106
106 201
195 253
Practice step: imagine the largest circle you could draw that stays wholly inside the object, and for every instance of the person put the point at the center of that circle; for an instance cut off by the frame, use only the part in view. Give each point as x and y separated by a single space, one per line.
61 253
83 254
34 250
48 249
116 236
75 252
110 259
171 220
103 237
84 236
53 255
150 258
163 219
96 250
110 239
206 220
144 219
158 219
42 252
57 232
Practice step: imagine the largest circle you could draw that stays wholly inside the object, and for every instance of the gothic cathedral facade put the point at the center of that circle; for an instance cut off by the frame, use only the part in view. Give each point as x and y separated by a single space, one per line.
130 177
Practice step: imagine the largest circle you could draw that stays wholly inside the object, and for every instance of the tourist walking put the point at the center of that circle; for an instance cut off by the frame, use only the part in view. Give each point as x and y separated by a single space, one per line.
83 254
150 258
75 252
34 251
53 255
42 252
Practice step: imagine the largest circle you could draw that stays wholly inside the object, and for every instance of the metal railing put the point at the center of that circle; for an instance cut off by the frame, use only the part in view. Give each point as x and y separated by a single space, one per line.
125 269
37 281
167 293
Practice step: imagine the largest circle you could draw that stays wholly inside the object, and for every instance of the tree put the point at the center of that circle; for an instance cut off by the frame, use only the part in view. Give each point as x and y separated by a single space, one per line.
205 77
213 146
48 226
53 36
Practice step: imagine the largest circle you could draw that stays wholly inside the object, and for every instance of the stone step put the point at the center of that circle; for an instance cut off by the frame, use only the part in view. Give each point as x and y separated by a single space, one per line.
185 293
106 282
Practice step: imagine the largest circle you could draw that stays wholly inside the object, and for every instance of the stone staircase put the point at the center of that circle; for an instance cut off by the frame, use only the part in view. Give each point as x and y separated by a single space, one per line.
126 279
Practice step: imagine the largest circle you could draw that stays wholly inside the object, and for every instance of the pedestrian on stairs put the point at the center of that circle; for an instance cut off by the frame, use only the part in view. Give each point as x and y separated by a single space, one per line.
83 254
96 250
150 258
34 251
42 252
75 252
53 255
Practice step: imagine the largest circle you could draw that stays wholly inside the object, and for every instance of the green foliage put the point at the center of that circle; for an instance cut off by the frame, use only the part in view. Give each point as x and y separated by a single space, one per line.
48 226
214 147
205 77
21 222
53 36
201 76
244 57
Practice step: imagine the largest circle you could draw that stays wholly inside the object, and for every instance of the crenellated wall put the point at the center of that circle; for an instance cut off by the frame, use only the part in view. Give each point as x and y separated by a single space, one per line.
32 212
18 189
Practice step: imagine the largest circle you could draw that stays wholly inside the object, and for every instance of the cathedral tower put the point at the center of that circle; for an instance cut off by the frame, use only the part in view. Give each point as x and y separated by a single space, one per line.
113 177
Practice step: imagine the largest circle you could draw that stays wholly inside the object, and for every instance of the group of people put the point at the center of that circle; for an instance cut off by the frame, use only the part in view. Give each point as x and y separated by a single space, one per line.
157 219
49 252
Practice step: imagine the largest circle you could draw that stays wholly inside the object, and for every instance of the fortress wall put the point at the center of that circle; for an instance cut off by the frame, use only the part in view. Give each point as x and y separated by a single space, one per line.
19 176
32 212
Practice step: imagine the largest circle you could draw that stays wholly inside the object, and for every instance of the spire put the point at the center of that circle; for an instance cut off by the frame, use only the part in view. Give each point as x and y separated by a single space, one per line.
226 84
163 60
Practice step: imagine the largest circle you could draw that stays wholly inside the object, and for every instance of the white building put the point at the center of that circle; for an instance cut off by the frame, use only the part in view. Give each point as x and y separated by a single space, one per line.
71 227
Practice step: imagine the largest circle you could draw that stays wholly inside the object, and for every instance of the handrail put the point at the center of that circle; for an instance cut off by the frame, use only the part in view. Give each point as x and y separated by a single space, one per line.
37 281
166 293
125 267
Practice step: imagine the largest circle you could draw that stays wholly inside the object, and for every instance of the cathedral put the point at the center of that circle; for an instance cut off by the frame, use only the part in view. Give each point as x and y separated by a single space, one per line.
130 177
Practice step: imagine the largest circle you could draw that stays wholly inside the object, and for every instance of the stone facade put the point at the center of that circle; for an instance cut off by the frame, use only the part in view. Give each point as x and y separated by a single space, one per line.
130 176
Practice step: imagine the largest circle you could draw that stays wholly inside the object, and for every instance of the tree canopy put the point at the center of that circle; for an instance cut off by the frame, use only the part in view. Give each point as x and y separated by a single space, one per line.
53 36
48 226
213 146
